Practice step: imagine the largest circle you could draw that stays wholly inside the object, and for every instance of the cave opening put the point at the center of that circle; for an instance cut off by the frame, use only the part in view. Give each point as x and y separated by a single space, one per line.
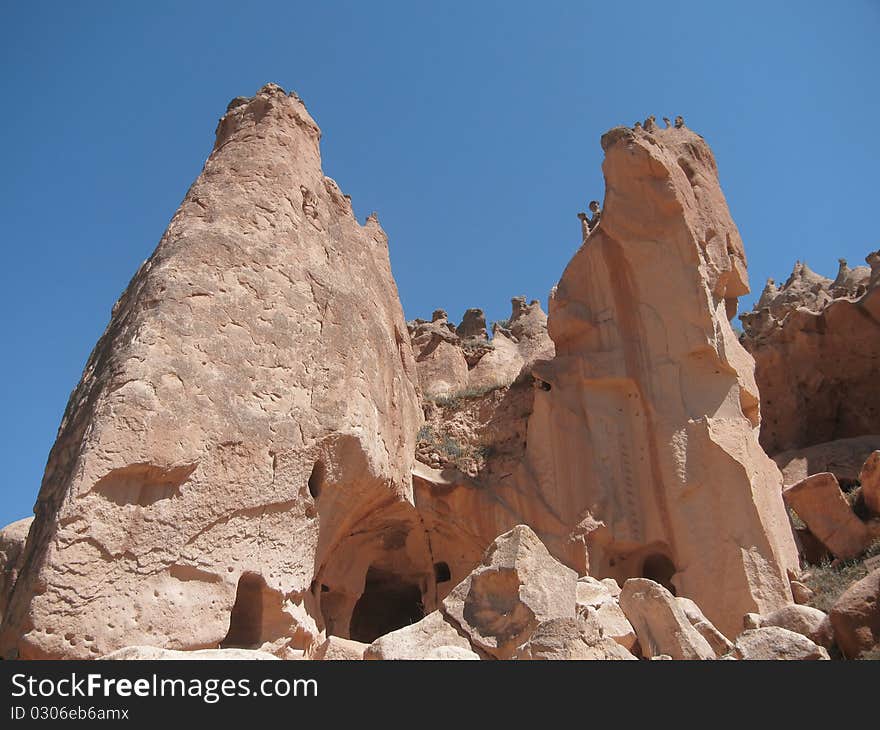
442 574
660 569
389 602
316 479
246 619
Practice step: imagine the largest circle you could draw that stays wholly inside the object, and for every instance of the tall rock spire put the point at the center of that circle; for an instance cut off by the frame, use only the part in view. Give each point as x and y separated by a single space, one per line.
648 431
253 398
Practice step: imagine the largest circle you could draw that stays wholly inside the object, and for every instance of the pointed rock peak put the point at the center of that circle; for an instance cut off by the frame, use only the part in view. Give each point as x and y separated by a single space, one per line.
270 106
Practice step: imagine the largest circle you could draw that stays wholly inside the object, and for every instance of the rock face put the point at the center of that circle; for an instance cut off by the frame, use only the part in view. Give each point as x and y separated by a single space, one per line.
661 624
517 586
12 542
234 466
856 616
816 344
819 502
645 441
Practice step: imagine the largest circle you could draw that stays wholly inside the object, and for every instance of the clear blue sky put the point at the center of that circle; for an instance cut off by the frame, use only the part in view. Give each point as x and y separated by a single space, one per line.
471 127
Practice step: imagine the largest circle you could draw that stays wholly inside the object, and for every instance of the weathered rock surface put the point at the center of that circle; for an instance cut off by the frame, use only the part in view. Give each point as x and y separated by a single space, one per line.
517 586
804 620
772 642
597 603
645 443
252 400
335 648
419 640
452 360
844 458
720 644
153 653
660 623
869 476
12 542
819 502
856 616
571 639
816 344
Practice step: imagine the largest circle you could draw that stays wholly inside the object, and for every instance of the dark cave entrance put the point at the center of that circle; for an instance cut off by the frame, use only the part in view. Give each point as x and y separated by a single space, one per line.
660 569
246 620
387 603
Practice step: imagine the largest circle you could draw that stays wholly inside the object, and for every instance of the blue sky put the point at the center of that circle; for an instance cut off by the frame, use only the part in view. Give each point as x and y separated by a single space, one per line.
471 127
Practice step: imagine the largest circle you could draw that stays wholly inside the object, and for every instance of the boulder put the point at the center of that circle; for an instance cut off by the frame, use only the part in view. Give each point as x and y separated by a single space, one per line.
804 620
773 642
517 586
720 644
660 623
819 502
570 638
418 640
801 593
597 602
453 653
12 542
153 653
856 616
336 648
869 476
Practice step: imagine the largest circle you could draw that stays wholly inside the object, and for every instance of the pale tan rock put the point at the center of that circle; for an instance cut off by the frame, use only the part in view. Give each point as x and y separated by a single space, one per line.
517 586
570 639
801 593
773 642
844 458
452 653
720 644
613 624
335 648
818 501
816 345
804 620
12 542
592 593
237 456
752 621
645 443
855 616
153 653
660 622
869 476
418 640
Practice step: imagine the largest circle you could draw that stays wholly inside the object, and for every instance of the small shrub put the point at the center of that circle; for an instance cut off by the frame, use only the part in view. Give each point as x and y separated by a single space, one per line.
426 433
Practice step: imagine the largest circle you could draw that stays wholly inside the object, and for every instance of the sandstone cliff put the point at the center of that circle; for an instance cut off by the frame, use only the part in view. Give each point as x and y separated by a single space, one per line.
816 344
248 416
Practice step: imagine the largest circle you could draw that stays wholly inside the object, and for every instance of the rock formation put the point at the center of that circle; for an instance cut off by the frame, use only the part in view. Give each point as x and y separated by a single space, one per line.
816 344
262 455
452 361
234 467
12 542
646 437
